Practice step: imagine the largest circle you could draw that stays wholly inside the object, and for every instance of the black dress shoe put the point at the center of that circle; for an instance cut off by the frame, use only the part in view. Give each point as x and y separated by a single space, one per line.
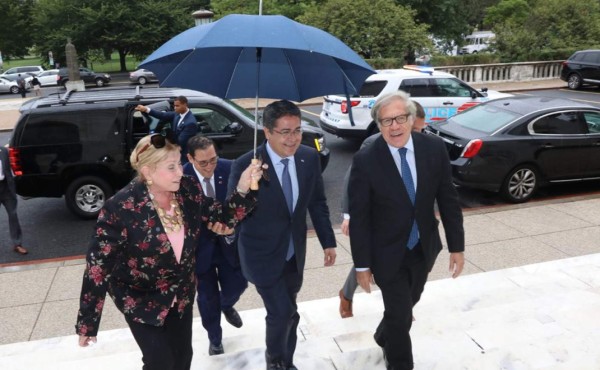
215 350
233 317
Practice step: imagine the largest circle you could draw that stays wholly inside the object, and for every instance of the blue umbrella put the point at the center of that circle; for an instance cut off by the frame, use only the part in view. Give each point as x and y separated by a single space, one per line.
267 56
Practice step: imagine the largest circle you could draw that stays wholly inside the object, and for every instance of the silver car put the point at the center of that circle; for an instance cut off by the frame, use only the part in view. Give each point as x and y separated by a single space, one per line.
7 85
142 76
48 78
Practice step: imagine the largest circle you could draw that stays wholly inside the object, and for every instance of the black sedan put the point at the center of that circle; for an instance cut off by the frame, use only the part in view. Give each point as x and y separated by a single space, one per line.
515 145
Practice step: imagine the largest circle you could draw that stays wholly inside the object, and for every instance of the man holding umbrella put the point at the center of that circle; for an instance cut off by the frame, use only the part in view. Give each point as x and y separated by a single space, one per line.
272 241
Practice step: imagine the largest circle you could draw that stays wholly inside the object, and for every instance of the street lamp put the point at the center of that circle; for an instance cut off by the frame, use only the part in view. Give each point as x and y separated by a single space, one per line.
202 16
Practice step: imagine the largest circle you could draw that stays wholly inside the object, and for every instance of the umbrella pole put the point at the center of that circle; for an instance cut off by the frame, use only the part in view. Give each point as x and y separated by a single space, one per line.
254 183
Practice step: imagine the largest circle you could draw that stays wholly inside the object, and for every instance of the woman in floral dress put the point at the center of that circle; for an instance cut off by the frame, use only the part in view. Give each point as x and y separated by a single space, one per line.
142 252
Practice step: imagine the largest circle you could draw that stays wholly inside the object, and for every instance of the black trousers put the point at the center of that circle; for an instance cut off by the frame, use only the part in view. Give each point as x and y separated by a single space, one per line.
8 199
167 347
282 314
400 294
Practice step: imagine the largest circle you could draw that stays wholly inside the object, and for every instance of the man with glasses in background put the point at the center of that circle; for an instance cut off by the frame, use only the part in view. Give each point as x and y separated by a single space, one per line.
272 244
220 282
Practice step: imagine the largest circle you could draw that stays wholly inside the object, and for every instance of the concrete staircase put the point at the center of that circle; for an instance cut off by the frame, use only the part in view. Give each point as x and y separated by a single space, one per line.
541 316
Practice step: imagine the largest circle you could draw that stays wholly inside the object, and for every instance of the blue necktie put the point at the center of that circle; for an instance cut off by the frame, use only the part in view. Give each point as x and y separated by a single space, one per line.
413 238
286 185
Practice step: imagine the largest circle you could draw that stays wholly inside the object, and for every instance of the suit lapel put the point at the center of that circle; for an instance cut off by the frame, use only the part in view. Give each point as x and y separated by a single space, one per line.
421 162
274 180
220 183
302 175
390 171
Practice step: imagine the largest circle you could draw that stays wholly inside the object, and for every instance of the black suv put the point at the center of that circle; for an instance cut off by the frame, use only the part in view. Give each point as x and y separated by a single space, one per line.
87 76
581 68
78 144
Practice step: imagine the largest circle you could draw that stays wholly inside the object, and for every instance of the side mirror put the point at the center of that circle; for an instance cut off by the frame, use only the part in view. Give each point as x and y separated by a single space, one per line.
473 95
234 128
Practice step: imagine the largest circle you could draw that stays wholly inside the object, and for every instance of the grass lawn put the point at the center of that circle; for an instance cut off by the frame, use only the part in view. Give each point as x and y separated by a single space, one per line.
110 66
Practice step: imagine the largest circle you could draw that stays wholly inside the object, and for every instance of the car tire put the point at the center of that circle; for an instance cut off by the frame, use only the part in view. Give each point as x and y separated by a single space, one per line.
142 80
520 184
85 196
100 82
574 81
373 129
14 89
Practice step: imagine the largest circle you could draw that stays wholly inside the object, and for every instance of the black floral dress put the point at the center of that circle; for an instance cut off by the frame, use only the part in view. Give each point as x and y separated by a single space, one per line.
131 258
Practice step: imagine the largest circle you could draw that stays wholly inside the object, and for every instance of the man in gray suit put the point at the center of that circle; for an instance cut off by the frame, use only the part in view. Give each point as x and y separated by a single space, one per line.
8 198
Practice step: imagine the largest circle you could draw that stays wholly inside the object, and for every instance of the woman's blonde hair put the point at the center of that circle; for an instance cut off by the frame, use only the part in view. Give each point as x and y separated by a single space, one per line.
146 154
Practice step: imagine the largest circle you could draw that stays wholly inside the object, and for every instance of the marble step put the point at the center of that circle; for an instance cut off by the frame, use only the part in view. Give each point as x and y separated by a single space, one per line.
542 316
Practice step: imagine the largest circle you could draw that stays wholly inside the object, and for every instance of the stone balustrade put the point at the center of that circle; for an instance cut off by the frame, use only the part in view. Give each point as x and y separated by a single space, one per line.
506 72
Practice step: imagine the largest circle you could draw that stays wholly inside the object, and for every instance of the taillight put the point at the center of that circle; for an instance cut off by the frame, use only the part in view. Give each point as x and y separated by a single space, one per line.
472 148
353 103
15 161
466 106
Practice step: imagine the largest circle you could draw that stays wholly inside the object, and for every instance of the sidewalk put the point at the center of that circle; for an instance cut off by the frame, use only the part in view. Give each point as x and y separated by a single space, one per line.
528 299
9 108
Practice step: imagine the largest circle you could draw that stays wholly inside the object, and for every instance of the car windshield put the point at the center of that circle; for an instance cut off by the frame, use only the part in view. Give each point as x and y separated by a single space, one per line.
485 118
244 112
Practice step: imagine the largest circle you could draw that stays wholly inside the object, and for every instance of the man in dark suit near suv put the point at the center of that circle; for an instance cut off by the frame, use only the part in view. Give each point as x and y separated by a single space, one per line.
8 198
183 122
394 184
217 261
272 243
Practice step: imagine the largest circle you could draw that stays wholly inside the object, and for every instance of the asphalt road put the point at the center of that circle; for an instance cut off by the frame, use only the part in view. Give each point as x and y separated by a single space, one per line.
51 231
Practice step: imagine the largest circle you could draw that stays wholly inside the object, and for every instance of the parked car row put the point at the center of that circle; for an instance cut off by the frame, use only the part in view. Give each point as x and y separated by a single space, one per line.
78 144
442 95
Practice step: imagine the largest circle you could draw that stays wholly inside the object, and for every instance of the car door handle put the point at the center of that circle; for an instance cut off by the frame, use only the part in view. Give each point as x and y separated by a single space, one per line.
547 146
597 143
448 103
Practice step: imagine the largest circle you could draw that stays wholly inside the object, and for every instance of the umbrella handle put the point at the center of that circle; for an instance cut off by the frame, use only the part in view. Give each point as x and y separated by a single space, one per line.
254 182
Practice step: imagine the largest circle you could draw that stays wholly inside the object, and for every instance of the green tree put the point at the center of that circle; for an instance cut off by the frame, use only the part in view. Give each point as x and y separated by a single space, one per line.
289 8
450 20
373 28
130 28
526 31
16 29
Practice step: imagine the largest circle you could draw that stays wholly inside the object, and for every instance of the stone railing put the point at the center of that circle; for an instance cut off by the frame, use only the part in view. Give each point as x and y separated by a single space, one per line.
504 72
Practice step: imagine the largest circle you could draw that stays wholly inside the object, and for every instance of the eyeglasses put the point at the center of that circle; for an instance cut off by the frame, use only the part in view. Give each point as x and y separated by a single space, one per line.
213 160
159 141
288 133
401 119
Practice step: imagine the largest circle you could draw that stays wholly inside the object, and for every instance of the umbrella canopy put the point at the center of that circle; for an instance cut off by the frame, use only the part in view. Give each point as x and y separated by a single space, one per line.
267 56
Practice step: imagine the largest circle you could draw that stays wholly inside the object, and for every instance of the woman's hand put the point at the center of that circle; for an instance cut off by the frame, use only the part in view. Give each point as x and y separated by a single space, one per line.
254 171
220 228
86 341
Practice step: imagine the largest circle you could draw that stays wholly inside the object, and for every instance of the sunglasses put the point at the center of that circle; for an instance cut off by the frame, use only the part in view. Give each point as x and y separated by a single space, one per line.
159 141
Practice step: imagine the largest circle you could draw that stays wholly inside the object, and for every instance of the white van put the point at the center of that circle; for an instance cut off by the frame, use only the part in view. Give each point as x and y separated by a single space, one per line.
477 42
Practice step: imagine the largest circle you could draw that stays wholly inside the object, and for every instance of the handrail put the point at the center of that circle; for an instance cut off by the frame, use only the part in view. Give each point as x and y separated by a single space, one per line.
505 72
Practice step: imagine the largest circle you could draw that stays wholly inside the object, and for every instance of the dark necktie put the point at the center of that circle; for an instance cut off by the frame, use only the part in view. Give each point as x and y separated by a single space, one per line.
413 238
180 121
286 185
210 191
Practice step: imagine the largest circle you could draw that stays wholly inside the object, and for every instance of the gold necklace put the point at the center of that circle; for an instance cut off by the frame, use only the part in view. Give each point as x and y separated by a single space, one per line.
171 223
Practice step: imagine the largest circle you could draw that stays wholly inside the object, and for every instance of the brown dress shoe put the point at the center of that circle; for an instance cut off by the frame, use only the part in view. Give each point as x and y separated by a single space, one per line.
19 249
345 306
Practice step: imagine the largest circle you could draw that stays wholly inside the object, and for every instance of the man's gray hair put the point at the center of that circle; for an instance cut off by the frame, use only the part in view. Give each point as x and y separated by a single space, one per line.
386 99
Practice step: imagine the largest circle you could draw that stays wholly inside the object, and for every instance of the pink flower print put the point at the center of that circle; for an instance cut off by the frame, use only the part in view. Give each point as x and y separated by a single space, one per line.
162 285
95 273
